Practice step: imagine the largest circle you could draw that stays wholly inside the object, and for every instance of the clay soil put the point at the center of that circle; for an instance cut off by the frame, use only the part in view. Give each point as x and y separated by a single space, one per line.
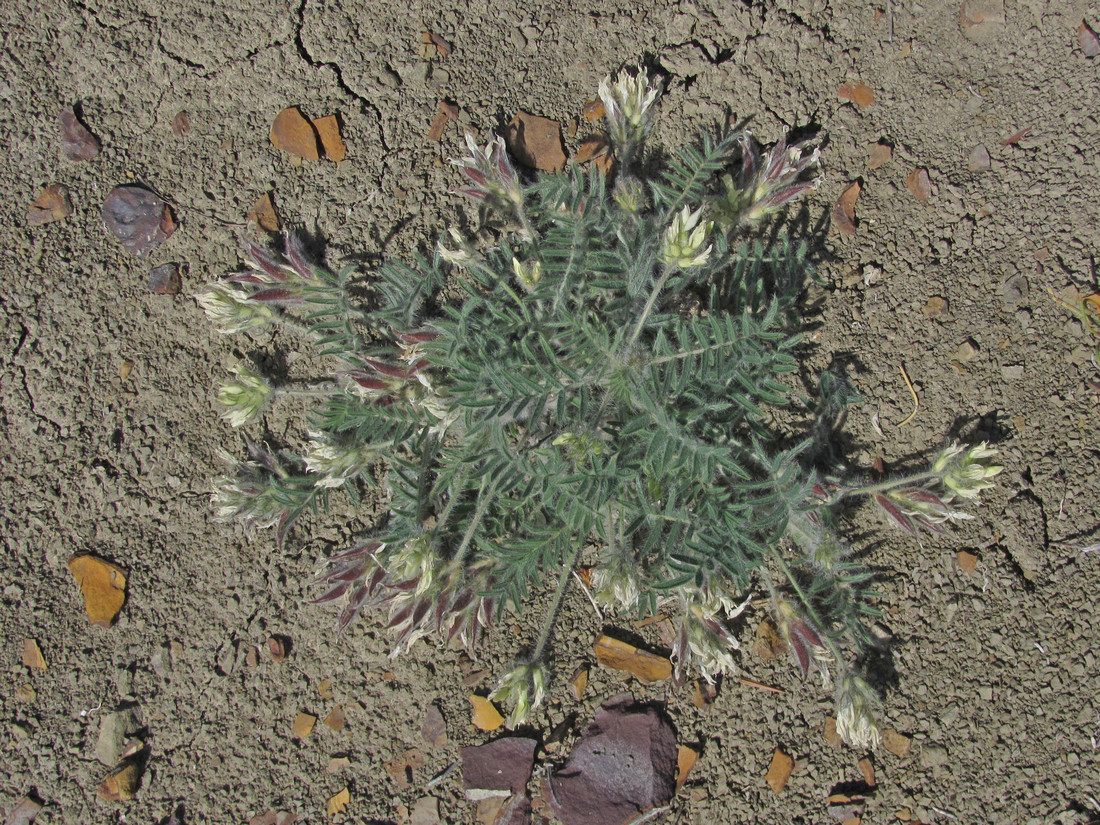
111 429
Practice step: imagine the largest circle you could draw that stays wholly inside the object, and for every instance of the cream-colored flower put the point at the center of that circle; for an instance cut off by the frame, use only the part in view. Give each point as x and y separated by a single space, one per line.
855 721
228 306
334 463
524 688
246 397
966 471
528 274
685 239
628 105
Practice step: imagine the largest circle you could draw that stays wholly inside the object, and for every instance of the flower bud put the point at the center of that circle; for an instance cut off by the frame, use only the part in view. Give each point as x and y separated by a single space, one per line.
528 274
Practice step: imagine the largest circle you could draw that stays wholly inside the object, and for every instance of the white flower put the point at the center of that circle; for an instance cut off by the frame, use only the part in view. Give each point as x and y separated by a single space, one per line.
336 463
229 307
628 105
684 240
246 397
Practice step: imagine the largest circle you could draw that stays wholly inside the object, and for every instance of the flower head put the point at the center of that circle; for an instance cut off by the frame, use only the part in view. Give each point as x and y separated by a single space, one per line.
615 583
524 688
766 184
336 462
685 239
855 706
492 176
628 106
229 307
966 471
246 397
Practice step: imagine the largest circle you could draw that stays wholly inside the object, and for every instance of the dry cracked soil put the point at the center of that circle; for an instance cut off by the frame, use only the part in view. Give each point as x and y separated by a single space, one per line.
112 433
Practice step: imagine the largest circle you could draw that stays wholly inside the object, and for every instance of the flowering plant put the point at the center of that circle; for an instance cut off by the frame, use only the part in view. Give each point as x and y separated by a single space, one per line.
598 396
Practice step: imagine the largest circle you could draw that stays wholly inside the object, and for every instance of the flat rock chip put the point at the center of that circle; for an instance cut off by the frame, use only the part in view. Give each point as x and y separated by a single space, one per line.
140 220
536 142
624 765
499 768
292 132
77 141
52 205
165 279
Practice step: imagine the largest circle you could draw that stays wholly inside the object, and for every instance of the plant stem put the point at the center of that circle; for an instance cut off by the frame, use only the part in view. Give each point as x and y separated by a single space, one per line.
555 608
872 489
484 499
648 308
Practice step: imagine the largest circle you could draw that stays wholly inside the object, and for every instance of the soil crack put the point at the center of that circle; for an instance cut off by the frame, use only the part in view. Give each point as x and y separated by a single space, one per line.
306 55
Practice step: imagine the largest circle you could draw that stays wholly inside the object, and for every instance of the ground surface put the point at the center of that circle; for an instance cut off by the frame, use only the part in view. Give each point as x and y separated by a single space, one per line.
993 672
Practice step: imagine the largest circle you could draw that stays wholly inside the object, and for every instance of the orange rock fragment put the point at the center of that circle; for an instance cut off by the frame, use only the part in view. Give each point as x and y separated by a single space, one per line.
32 655
484 714
292 132
337 803
536 141
52 204
867 768
579 682
685 760
332 142
619 655
844 211
263 213
303 725
967 561
859 93
103 585
831 735
779 772
594 146
593 110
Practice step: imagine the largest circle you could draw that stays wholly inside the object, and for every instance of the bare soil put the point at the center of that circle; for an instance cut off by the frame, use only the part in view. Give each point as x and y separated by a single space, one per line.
993 674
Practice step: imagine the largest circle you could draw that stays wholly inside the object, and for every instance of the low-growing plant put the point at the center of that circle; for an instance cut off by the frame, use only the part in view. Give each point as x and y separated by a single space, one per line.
602 394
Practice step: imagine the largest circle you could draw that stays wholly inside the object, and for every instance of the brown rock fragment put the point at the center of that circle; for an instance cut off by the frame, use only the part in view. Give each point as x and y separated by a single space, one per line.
139 219
292 132
332 142
77 141
165 279
53 204
497 769
181 124
896 743
263 213
967 561
536 141
624 765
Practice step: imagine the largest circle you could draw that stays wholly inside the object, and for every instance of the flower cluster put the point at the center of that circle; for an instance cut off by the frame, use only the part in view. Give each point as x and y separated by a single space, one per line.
685 239
421 592
629 107
765 184
523 687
